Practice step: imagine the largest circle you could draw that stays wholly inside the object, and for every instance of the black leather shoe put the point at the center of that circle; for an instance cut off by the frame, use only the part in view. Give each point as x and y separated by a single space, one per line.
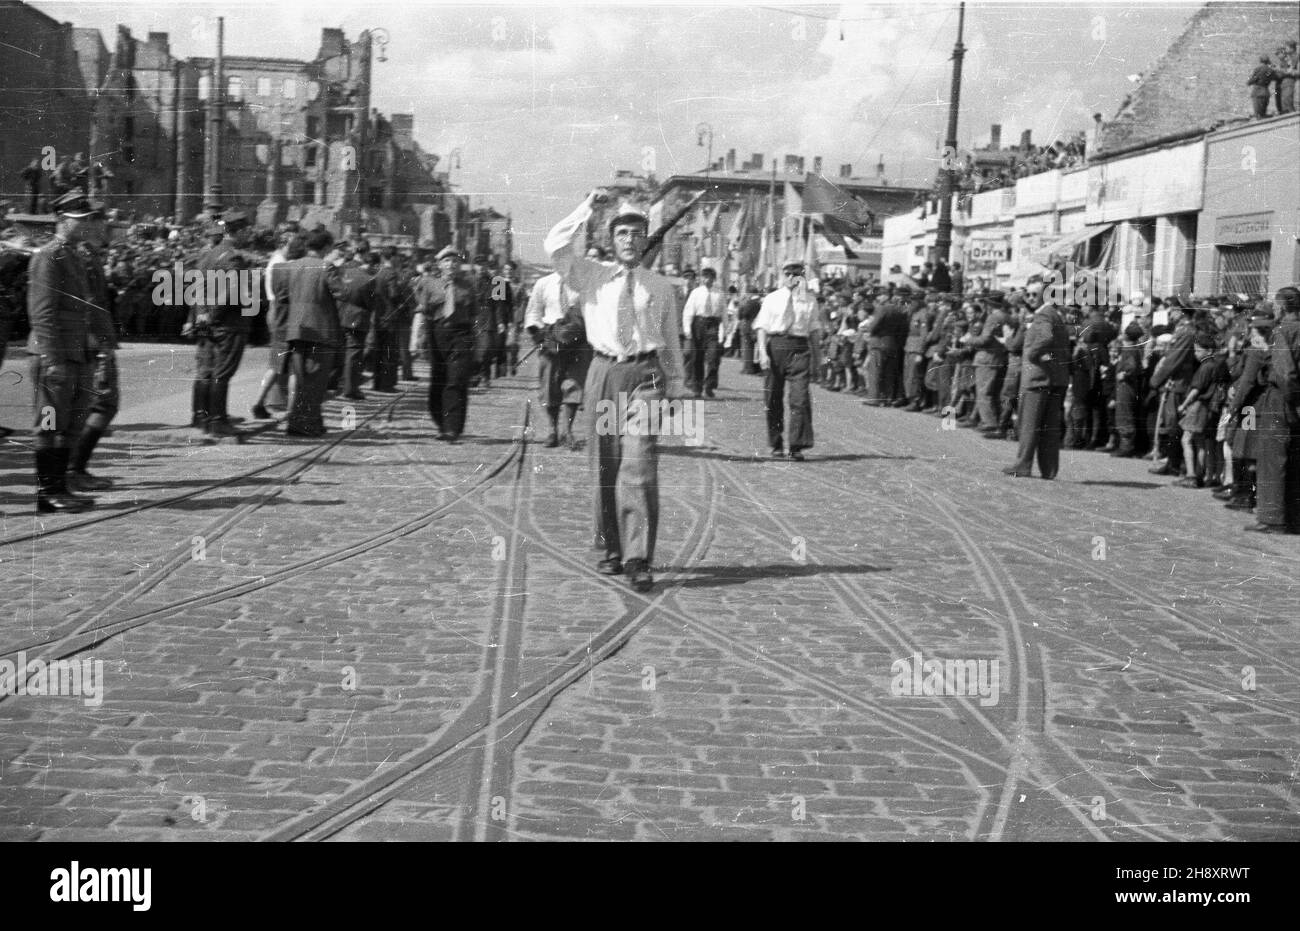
552 441
1240 504
260 412
61 502
639 577
294 431
611 566
1189 481
1016 471
84 481
355 396
1224 493
797 455
710 393
1268 528
994 434
778 453
1163 470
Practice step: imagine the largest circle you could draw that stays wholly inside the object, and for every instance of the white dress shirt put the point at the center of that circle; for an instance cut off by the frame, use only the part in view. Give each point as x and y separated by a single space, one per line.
702 302
806 317
549 301
599 284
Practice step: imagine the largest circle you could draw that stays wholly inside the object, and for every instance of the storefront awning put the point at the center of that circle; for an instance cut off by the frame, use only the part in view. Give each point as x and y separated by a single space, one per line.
1066 243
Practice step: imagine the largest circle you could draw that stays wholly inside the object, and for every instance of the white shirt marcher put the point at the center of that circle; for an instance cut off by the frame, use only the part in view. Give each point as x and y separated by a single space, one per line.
772 318
702 302
548 302
657 327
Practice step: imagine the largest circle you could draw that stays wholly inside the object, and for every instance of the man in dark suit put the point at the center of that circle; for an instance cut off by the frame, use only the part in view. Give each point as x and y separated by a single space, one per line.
1277 495
387 320
59 295
1045 374
453 312
1172 379
312 287
356 301
220 327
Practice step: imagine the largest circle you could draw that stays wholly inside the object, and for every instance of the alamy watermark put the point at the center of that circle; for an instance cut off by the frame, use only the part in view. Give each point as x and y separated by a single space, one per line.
66 677
968 677
208 288
631 416
1073 284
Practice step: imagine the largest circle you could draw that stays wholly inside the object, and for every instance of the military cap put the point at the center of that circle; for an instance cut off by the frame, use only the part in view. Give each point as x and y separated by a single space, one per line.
447 251
797 266
76 204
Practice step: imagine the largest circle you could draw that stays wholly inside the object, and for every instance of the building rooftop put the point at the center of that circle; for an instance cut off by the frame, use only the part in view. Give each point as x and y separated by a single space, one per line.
1200 81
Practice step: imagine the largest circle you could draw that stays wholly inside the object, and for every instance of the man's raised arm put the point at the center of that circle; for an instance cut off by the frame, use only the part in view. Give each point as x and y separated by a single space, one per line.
562 247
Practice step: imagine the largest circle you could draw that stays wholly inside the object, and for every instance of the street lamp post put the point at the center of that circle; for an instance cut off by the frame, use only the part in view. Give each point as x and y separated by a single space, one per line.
701 131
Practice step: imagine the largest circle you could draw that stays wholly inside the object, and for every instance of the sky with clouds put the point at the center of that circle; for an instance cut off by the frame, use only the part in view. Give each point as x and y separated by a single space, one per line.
547 101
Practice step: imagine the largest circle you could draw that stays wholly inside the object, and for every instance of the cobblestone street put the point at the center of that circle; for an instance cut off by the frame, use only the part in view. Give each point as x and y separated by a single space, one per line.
380 636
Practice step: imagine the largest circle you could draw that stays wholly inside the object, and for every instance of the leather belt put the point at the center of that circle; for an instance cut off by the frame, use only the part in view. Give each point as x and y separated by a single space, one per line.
639 357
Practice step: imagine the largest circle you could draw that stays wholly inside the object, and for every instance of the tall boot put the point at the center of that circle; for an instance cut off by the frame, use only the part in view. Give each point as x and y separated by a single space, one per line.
77 477
219 421
552 436
51 488
200 403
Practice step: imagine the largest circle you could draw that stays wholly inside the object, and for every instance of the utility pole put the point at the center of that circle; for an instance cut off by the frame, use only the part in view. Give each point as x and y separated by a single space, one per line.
216 119
947 169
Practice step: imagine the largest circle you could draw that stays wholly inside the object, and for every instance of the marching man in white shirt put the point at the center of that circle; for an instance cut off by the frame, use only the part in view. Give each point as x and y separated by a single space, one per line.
783 347
554 321
634 330
701 320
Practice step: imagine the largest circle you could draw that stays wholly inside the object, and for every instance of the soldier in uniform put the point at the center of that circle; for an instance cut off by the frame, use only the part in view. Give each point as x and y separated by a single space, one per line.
388 300
554 321
918 332
788 331
104 394
1044 376
990 364
59 295
1260 80
220 329
356 308
311 288
1278 445
452 312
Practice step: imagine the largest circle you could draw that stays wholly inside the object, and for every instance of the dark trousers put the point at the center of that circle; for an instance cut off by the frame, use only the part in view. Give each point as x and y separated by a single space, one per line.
388 360
1128 416
62 401
451 364
626 464
312 364
1277 463
1010 396
702 362
789 363
1041 414
1259 100
988 393
217 358
354 354
913 377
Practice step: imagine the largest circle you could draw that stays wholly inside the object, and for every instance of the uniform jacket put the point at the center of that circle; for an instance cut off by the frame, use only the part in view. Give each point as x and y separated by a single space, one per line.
312 287
99 322
356 297
988 351
1046 361
389 299
58 298
225 258
918 330
1284 368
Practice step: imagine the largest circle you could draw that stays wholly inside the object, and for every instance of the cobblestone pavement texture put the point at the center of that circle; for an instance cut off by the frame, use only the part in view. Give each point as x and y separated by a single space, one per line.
388 637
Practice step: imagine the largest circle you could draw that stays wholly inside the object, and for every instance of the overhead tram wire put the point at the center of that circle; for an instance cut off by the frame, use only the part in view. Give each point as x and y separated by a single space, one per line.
917 70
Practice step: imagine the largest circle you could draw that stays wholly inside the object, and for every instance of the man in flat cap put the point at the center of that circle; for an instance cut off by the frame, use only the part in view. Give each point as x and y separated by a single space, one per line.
787 338
220 326
59 298
452 312
633 324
